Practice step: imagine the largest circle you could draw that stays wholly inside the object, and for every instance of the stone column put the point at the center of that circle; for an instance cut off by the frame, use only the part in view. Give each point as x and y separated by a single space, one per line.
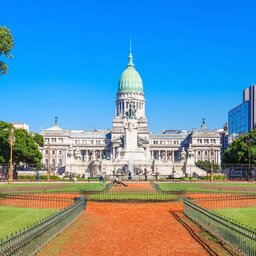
92 155
114 153
218 154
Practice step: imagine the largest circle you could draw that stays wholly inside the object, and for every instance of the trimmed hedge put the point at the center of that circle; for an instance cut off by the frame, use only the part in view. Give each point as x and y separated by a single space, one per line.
33 177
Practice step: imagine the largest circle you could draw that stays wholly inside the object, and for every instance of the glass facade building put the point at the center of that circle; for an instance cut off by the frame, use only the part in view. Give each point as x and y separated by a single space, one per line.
238 120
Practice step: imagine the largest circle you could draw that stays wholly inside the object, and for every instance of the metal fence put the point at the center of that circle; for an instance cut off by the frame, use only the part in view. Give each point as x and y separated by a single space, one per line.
240 237
52 187
126 194
30 241
239 171
227 201
35 201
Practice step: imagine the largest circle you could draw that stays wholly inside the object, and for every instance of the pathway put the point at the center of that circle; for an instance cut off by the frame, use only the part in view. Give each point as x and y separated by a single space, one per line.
125 229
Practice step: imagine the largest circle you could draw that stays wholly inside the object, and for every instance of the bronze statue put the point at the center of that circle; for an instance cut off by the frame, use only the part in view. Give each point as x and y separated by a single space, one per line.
131 113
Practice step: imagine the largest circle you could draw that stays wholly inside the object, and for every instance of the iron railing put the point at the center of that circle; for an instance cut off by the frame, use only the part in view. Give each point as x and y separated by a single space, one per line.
30 241
35 201
240 237
51 187
227 201
131 195
239 171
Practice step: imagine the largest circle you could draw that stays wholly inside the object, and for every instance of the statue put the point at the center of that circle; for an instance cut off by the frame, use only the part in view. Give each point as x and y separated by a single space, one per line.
131 113
121 143
183 155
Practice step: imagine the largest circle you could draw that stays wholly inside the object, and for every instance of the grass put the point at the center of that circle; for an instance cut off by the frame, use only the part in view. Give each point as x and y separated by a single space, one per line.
50 187
139 196
14 219
202 187
245 216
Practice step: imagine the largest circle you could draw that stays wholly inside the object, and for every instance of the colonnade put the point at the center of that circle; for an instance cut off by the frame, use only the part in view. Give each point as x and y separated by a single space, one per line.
207 156
165 155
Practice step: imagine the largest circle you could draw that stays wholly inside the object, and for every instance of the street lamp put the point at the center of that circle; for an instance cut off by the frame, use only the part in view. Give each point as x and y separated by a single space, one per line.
11 142
249 142
212 162
49 163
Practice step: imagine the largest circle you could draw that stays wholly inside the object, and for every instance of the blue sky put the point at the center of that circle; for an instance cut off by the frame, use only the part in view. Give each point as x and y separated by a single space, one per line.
195 58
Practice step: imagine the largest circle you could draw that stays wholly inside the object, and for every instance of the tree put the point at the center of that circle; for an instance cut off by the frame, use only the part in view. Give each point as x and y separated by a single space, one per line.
38 138
206 165
25 149
238 151
6 45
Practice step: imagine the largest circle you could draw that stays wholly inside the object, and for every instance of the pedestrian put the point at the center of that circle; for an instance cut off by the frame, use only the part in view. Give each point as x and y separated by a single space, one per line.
37 176
101 179
129 175
146 174
117 181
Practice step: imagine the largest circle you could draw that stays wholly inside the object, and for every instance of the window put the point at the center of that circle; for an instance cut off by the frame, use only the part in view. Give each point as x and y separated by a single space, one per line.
46 151
213 141
60 152
199 140
206 141
53 139
60 140
53 152
98 142
205 153
46 139
198 153
77 141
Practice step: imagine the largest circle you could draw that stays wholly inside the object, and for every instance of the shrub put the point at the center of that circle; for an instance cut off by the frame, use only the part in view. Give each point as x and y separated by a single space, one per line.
33 178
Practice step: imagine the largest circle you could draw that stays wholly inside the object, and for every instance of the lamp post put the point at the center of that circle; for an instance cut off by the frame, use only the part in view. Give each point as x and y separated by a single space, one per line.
49 163
11 142
249 142
212 162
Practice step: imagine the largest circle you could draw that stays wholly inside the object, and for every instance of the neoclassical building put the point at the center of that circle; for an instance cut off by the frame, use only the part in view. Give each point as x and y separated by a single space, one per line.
129 145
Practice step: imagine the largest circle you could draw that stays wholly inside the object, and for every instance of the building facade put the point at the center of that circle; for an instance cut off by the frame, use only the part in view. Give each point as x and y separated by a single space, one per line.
238 120
242 118
129 146
21 126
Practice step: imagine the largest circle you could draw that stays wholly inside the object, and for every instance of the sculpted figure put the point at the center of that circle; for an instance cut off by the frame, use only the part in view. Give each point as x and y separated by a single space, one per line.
131 113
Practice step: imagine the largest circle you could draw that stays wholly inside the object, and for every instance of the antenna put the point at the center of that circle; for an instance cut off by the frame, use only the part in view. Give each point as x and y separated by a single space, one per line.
130 44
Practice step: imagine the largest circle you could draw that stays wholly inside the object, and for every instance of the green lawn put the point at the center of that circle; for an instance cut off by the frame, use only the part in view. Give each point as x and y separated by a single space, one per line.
108 196
50 187
208 187
13 219
246 216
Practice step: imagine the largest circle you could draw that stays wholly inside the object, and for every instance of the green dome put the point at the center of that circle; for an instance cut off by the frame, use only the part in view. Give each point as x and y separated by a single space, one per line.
130 80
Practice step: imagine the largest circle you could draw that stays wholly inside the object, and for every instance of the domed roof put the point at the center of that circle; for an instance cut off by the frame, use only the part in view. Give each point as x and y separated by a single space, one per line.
130 80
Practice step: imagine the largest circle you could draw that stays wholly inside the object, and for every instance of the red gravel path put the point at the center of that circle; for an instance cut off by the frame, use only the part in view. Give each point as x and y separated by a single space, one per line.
125 229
